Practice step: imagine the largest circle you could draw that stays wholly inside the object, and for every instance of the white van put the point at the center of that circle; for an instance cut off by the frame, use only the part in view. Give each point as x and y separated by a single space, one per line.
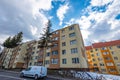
34 71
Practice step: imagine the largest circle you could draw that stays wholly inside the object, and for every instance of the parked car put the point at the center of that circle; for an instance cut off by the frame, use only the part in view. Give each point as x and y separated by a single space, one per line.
34 71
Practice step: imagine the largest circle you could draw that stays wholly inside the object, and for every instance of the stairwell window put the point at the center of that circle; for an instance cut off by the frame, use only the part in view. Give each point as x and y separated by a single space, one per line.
48 54
72 34
74 50
63 37
63 52
55 52
64 61
75 60
54 61
47 62
71 28
63 43
72 42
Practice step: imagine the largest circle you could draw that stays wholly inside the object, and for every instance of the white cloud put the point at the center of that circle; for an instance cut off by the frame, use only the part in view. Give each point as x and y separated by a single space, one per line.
19 16
33 30
62 11
100 2
85 33
100 26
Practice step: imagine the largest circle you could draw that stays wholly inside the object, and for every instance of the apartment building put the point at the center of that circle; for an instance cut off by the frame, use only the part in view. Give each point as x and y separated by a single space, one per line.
7 57
67 51
72 51
104 57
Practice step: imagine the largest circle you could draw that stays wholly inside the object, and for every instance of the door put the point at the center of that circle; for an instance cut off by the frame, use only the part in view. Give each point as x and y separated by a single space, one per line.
27 71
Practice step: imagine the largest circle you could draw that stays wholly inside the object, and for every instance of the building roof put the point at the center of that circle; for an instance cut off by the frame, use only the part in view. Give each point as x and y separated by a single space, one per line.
103 44
88 47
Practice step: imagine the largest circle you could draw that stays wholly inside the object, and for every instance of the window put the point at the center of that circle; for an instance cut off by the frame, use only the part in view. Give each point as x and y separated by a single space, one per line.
37 51
101 64
54 61
115 58
56 32
72 42
74 50
55 38
63 44
99 59
103 70
63 52
35 63
98 54
63 37
55 45
112 70
33 48
118 64
118 46
54 52
48 54
105 53
96 49
72 34
64 61
92 55
63 31
112 52
91 51
36 57
103 48
110 47
47 62
95 64
107 58
110 64
75 60
71 28
93 59
33 53
30 64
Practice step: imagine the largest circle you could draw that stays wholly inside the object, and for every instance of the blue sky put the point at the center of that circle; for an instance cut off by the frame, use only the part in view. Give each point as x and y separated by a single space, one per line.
99 20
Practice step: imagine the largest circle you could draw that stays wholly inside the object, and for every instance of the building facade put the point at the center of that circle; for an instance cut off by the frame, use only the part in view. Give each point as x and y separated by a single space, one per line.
67 51
104 57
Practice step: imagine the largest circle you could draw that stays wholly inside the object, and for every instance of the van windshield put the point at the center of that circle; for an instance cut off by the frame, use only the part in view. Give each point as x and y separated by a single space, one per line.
27 69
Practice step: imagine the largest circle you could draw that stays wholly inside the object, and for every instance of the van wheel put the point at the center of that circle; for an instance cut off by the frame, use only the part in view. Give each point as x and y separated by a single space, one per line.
21 75
36 77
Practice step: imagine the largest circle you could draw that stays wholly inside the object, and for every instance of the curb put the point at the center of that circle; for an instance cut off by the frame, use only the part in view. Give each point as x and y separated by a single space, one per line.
10 71
58 78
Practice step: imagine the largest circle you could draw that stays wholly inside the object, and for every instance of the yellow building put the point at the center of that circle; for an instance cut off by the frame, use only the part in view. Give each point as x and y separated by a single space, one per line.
68 50
72 50
104 57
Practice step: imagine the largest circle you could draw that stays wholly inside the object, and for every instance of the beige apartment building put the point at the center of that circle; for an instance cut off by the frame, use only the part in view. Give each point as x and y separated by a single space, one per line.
67 51
104 57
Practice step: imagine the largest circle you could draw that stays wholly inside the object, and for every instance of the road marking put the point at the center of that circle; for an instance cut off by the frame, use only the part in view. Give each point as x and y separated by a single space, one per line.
12 77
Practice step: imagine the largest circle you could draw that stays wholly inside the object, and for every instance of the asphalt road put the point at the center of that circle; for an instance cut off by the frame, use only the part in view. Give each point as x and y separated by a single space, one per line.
10 75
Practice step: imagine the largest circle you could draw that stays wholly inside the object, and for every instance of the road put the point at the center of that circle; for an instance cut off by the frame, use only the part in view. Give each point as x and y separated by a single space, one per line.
10 75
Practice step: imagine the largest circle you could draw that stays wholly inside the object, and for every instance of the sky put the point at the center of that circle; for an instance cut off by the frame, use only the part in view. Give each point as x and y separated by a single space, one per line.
99 20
